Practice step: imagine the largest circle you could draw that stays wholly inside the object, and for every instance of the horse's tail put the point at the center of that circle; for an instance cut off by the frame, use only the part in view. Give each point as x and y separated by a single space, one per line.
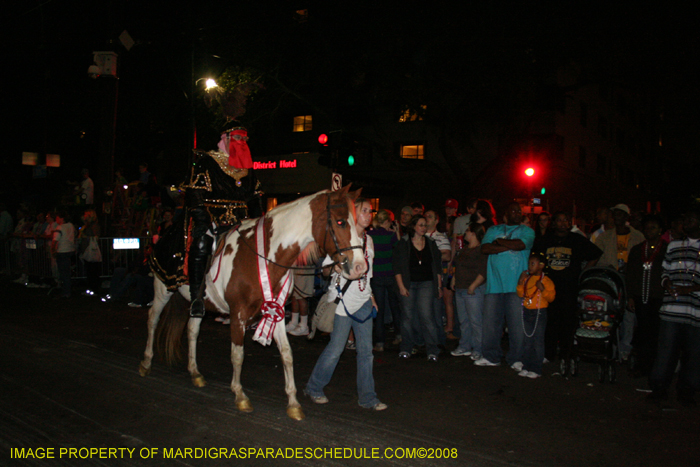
170 328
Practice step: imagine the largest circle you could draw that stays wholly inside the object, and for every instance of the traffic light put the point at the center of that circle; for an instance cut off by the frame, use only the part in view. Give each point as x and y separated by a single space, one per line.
324 149
542 191
530 171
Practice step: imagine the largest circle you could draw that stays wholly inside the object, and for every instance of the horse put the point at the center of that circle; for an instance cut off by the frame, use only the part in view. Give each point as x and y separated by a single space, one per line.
249 269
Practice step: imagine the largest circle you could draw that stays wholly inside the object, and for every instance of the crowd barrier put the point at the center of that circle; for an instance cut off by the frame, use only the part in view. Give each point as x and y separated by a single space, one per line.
32 256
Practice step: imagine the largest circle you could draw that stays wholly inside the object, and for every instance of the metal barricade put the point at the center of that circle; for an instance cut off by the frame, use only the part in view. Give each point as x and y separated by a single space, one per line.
32 256
113 258
36 260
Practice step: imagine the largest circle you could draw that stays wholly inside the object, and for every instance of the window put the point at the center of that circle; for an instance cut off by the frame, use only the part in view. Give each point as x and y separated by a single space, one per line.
301 16
374 202
302 123
413 151
271 204
411 115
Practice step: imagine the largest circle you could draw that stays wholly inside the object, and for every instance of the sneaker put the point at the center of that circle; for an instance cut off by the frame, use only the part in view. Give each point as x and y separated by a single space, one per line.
397 340
317 399
432 358
149 304
300 331
545 361
379 406
21 279
290 326
219 319
475 356
460 353
523 373
483 362
532 375
350 345
227 321
404 355
379 347
134 305
517 366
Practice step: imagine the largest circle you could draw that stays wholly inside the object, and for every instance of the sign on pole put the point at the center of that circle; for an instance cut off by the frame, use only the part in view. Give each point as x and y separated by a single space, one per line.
336 182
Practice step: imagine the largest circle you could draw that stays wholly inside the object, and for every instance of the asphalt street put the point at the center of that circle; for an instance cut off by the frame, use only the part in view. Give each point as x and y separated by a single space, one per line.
72 395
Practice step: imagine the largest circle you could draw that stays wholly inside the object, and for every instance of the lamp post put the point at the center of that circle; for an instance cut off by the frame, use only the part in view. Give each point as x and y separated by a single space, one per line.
105 67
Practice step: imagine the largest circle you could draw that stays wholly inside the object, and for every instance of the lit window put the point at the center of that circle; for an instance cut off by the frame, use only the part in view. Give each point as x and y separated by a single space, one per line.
271 203
412 151
301 16
410 115
374 202
302 123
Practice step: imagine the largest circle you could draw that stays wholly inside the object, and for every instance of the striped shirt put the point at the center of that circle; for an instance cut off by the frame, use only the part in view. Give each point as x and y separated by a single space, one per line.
384 241
682 267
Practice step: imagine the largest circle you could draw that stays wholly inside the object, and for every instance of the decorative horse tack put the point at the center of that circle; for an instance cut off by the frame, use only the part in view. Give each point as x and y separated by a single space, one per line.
273 307
236 288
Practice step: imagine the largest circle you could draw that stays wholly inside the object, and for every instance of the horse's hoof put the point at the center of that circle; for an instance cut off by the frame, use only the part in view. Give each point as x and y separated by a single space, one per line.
199 381
295 413
143 371
244 406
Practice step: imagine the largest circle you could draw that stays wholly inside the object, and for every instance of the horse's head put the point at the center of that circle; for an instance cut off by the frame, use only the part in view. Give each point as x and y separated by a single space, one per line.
335 232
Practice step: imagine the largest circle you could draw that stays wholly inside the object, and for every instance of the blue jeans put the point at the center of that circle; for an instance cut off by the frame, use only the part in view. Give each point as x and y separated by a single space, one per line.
386 294
533 345
417 311
325 366
674 338
438 314
500 308
63 263
470 309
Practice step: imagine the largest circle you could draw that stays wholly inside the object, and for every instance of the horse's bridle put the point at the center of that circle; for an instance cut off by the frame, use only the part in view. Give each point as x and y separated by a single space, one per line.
329 227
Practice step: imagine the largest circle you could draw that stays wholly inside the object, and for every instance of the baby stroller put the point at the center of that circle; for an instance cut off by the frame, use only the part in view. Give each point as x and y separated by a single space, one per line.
601 305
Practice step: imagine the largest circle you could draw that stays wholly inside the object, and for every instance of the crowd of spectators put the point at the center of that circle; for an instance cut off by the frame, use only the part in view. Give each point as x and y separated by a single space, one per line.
453 283
52 248
458 284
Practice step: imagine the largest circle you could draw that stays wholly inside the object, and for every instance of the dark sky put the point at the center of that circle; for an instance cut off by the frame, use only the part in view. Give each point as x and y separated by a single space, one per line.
47 47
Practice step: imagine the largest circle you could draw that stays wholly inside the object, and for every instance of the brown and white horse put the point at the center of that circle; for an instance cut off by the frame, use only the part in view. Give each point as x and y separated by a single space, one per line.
234 283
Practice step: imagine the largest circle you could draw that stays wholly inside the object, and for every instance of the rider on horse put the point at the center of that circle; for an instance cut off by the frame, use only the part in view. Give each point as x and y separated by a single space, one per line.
221 192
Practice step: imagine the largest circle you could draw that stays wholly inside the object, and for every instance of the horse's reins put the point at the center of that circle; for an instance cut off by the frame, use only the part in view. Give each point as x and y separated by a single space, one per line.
329 226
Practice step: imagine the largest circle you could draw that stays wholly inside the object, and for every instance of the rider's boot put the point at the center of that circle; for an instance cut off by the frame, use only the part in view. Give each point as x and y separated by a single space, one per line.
198 261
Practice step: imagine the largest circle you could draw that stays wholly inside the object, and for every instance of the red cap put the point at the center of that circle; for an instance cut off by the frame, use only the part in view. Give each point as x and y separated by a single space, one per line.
451 203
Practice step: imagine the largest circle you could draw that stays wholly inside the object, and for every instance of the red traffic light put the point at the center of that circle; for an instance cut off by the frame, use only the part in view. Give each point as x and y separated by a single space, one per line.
529 171
323 138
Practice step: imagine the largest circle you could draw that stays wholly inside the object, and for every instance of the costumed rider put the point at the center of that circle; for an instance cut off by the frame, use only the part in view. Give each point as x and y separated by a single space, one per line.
221 192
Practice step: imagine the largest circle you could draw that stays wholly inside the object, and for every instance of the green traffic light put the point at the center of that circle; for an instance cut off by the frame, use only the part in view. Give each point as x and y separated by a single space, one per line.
351 160
542 191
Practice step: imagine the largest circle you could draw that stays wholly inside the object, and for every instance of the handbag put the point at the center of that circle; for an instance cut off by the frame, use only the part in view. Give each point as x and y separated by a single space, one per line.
323 316
92 253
